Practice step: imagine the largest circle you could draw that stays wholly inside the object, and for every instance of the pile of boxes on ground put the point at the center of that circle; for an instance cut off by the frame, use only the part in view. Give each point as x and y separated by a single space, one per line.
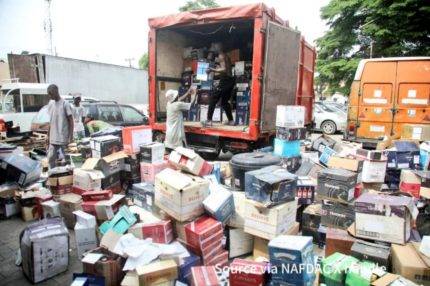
303 214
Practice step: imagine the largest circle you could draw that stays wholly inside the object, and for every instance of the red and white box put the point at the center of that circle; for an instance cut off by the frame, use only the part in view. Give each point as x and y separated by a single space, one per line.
187 160
103 210
207 169
148 171
160 232
97 195
78 191
204 275
247 273
200 230
220 259
410 183
134 136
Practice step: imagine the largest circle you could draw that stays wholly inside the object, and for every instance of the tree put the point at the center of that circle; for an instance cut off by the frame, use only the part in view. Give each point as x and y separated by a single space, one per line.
360 29
144 61
191 5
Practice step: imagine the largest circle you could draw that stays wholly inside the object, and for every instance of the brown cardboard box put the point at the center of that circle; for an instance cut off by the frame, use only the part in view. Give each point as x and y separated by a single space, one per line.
157 272
350 164
109 266
260 244
409 263
68 204
29 213
338 240
419 132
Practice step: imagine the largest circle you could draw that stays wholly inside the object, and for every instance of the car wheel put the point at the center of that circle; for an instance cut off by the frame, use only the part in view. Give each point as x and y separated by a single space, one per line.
328 127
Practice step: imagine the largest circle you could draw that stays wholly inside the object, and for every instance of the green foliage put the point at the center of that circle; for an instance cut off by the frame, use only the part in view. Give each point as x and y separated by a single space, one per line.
390 28
144 61
191 5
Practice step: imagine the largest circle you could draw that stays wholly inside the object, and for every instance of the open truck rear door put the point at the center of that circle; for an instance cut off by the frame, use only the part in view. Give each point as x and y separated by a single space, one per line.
281 62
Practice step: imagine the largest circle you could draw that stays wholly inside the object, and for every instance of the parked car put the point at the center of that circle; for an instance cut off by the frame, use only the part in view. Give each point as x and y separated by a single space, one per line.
110 112
341 107
329 119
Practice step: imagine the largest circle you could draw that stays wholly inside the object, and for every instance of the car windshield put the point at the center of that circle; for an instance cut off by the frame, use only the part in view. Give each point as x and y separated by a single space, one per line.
327 108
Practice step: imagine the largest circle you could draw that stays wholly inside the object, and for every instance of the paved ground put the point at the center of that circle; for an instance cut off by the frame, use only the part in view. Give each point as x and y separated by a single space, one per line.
12 275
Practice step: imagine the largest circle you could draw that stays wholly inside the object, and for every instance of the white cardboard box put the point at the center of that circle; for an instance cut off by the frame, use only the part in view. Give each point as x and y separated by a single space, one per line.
238 217
180 195
269 222
85 232
187 160
373 171
240 242
290 116
88 180
51 208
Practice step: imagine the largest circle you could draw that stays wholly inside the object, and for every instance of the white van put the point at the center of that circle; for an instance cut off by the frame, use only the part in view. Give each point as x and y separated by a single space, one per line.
20 102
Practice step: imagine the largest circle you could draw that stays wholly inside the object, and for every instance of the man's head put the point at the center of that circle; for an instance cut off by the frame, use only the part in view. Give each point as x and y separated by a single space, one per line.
53 92
77 99
171 95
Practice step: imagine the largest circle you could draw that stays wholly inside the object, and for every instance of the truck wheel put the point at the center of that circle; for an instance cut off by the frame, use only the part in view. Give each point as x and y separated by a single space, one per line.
328 127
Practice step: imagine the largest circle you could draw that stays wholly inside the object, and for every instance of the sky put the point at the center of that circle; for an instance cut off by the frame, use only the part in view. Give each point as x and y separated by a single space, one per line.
112 31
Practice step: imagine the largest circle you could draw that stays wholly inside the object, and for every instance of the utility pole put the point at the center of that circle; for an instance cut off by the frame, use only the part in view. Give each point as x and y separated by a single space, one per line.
129 60
48 27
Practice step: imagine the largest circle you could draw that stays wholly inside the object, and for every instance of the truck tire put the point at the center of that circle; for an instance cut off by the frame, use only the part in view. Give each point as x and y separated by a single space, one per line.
328 127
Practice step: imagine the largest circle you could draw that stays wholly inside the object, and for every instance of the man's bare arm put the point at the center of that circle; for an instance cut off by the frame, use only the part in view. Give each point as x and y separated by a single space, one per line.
71 126
222 65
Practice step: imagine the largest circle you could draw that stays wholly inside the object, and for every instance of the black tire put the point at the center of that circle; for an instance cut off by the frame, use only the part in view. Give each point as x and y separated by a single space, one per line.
209 156
328 127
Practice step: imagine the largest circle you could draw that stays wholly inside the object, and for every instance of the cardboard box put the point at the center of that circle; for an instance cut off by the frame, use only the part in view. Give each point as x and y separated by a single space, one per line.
51 209
326 154
247 273
376 253
198 231
383 217
103 210
287 149
336 185
85 232
219 203
338 240
410 263
270 186
269 222
291 134
351 164
425 155
187 160
109 267
68 204
372 155
9 207
148 171
142 195
82 279
185 266
152 152
160 232
157 272
30 213
290 116
134 136
97 195
60 180
87 180
337 215
292 250
44 249
410 182
109 165
238 217
358 273
420 132
261 249
105 145
20 169
292 164
120 223
335 267
404 155
180 195
305 192
219 260
373 171
204 275
239 242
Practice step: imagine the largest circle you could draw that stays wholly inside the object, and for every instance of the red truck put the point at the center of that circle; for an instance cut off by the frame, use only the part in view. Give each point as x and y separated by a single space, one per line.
282 70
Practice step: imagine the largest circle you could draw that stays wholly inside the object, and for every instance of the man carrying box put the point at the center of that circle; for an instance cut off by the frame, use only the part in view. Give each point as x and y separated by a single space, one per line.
175 133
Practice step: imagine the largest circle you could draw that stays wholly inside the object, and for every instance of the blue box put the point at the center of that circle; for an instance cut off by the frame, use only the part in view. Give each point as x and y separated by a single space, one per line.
405 155
120 223
220 203
271 185
90 280
185 266
285 148
326 153
295 254
242 116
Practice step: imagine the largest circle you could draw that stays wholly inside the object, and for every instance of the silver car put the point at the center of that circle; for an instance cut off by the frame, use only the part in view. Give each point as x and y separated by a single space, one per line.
329 119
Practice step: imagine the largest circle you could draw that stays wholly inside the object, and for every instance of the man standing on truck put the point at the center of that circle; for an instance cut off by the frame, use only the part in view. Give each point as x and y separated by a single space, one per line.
175 132
226 83
60 132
